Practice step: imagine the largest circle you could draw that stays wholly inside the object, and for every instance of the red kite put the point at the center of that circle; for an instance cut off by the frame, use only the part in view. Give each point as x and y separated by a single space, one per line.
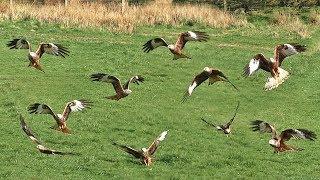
278 75
121 90
61 119
214 75
31 135
278 141
145 155
34 57
225 128
176 49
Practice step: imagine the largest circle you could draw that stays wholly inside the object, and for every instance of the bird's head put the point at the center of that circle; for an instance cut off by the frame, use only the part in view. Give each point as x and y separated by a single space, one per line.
274 143
144 150
127 91
171 46
39 146
207 69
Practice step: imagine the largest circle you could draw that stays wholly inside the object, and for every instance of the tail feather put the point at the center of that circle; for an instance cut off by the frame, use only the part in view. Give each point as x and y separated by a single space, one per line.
275 82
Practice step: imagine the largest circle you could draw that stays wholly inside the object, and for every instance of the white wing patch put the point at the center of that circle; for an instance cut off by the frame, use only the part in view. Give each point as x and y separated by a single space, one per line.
39 109
162 136
300 134
191 88
106 79
291 50
33 54
155 44
192 35
253 66
52 50
78 106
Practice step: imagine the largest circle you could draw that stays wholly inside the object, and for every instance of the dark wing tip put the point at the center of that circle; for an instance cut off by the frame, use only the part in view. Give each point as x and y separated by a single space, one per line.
32 108
147 47
255 125
97 76
246 71
308 134
299 47
140 78
86 103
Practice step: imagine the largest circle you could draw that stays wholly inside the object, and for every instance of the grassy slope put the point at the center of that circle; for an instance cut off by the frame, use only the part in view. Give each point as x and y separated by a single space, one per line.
192 148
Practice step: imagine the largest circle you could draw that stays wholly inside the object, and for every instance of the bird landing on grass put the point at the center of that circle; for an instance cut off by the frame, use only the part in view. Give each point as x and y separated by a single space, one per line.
145 154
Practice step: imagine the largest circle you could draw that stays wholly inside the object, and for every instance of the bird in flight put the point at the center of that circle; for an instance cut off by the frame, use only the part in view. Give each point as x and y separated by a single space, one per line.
225 128
34 57
214 75
34 139
278 142
61 119
145 155
121 90
278 75
176 49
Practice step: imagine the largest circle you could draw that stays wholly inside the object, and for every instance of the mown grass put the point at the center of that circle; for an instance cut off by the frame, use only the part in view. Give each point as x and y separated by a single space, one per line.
192 149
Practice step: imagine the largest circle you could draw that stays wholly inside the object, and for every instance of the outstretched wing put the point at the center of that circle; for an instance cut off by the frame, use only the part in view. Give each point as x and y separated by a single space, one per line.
235 113
263 127
54 49
190 36
109 79
19 43
208 122
28 130
134 79
154 146
258 62
297 133
154 43
74 106
197 80
38 108
135 153
225 78
290 49
46 150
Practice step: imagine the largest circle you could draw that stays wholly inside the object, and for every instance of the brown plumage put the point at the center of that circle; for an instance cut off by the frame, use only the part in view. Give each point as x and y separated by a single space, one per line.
225 128
214 75
121 90
278 75
40 147
145 155
61 119
176 49
278 141
34 57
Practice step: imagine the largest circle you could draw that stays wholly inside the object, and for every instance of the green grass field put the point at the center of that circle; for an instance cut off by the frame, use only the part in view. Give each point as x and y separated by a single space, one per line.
192 149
